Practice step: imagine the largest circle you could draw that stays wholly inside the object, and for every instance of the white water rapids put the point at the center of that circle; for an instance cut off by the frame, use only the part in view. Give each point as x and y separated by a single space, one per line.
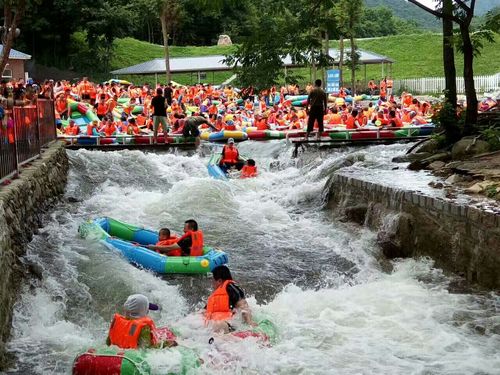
339 308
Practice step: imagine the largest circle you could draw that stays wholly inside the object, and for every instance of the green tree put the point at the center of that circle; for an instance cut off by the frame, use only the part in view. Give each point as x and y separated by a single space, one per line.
348 15
104 22
13 12
462 13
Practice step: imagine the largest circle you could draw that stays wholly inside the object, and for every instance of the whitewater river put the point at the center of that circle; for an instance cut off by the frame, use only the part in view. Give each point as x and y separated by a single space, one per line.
340 308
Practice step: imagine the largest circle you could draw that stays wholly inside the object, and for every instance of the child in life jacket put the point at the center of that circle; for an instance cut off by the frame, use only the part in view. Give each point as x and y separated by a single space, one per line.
135 329
249 169
166 239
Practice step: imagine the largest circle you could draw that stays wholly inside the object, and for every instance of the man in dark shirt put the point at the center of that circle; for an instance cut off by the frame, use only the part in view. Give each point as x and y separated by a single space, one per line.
317 106
158 103
168 93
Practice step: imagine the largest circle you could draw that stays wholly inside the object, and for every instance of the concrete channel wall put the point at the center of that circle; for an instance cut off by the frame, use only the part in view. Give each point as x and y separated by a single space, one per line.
461 239
21 204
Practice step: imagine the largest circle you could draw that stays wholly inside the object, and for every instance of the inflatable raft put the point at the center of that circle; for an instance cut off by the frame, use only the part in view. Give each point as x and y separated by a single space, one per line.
372 133
111 360
224 135
130 240
265 332
81 113
213 167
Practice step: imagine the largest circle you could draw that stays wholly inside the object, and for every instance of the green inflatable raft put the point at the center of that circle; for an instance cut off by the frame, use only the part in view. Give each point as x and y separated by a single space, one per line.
130 241
111 360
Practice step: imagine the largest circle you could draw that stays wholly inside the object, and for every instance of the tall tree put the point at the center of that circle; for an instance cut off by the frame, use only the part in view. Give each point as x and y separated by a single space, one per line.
462 14
13 11
104 23
349 14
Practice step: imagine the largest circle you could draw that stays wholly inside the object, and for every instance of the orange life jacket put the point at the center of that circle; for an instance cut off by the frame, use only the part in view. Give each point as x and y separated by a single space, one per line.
261 124
336 119
229 127
172 240
101 108
90 129
125 332
230 155
196 242
61 105
109 130
396 122
72 130
218 304
248 171
349 122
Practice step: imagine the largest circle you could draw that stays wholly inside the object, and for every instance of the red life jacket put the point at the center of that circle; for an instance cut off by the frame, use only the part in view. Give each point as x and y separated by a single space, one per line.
172 240
218 304
248 171
125 332
90 129
196 242
350 122
230 155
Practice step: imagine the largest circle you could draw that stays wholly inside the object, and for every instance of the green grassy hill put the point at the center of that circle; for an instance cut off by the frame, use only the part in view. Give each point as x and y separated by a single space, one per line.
415 56
421 56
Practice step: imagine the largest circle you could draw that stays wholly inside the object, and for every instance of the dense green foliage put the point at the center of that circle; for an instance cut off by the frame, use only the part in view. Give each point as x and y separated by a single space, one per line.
84 36
415 56
404 10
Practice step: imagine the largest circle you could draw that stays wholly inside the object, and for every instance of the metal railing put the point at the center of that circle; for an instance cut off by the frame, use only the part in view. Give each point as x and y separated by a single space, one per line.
46 116
23 132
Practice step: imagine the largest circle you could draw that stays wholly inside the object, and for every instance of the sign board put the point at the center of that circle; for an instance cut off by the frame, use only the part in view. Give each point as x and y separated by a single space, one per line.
333 81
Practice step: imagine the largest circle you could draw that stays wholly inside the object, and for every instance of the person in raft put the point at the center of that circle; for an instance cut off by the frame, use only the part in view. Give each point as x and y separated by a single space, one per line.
190 244
136 329
166 239
230 157
249 169
225 301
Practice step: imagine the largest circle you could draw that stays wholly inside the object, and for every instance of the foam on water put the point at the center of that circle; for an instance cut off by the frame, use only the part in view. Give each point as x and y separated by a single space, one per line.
320 281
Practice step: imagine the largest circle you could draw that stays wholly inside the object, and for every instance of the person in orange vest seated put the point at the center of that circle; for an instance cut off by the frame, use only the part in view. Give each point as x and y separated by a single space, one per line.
261 122
132 127
352 121
225 301
92 128
166 239
230 157
110 129
72 129
135 329
190 244
249 169
417 119
394 121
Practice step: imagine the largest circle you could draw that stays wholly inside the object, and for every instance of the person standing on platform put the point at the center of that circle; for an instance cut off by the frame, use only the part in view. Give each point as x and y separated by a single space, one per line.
159 105
317 106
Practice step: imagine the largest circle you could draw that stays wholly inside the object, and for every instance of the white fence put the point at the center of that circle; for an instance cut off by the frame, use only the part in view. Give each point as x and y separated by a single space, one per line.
437 84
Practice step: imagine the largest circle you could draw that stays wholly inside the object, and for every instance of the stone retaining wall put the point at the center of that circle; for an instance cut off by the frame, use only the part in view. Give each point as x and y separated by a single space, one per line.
21 205
460 238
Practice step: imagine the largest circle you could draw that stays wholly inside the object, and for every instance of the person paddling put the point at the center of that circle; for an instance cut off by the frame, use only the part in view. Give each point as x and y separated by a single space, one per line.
225 302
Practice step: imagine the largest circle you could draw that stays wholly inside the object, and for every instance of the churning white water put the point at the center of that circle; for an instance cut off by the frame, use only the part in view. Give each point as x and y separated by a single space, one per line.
339 307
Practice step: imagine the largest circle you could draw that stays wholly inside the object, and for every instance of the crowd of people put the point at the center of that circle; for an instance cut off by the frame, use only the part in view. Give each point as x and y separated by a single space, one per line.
186 109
